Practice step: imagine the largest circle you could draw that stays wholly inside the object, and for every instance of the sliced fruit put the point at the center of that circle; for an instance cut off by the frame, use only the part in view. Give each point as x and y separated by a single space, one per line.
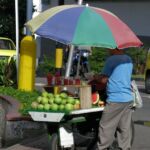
95 98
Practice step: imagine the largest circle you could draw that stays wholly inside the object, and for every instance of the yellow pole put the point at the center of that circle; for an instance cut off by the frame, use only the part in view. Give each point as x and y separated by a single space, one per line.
27 64
58 64
59 58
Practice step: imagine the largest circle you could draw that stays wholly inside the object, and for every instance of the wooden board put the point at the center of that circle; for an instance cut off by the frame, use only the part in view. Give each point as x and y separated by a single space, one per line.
85 97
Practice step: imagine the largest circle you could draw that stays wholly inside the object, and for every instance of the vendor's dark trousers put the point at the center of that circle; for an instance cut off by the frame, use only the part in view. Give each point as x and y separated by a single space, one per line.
115 116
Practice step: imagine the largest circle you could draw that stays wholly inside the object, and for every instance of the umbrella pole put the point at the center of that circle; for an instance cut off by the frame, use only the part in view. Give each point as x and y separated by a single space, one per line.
69 63
78 65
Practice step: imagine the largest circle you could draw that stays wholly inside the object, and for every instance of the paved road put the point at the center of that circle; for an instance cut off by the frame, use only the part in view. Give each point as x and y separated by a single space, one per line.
141 118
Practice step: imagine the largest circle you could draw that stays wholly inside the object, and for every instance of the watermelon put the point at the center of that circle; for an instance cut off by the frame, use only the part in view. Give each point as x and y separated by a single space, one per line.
95 98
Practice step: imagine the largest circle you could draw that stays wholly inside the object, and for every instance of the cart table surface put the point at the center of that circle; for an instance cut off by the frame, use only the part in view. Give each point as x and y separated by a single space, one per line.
57 116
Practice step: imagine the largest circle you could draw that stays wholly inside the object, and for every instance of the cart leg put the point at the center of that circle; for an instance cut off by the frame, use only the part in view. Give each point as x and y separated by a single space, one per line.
60 137
54 143
66 138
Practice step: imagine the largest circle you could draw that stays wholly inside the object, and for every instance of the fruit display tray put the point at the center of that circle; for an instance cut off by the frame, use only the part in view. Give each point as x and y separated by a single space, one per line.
58 116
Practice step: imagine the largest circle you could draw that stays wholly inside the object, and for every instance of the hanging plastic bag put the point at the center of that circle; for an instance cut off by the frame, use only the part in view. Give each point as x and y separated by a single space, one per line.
137 102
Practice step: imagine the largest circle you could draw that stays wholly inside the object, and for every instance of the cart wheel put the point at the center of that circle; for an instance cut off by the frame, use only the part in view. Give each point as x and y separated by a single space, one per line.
2 124
54 144
114 145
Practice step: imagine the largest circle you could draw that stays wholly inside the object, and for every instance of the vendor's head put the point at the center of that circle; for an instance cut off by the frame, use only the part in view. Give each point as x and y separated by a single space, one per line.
116 51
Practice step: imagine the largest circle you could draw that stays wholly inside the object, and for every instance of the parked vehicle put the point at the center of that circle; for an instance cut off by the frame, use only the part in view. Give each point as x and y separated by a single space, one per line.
7 48
147 73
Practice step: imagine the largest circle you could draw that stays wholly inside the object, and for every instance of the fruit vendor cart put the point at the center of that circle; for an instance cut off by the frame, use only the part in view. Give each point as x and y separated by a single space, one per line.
70 130
70 127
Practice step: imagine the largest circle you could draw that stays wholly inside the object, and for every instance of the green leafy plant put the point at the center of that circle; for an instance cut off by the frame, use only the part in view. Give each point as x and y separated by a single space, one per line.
2 70
24 97
47 66
8 72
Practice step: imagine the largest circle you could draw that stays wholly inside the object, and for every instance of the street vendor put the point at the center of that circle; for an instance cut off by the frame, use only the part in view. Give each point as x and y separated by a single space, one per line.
117 113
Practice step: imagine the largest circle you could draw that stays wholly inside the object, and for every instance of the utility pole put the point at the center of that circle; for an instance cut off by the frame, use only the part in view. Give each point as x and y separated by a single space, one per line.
29 13
17 35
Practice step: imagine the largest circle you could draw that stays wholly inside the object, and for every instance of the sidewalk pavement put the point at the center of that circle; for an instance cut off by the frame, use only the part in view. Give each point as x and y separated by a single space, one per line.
37 143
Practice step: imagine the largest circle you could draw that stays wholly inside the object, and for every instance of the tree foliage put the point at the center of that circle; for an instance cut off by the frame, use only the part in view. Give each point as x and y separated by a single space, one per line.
97 59
7 17
99 55
138 56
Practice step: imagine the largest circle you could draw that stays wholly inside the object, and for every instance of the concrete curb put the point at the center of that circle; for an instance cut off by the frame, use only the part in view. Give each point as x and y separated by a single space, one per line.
12 107
14 126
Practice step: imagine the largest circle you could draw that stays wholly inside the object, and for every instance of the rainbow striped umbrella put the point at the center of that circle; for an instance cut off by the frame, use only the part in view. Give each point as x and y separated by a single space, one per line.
82 25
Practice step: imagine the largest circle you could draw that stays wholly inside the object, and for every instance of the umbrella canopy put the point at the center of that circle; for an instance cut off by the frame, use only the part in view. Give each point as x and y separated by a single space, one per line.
81 25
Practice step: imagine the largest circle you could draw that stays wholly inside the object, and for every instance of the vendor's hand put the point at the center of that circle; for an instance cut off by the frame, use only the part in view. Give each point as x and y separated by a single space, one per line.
101 78
104 79
99 82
